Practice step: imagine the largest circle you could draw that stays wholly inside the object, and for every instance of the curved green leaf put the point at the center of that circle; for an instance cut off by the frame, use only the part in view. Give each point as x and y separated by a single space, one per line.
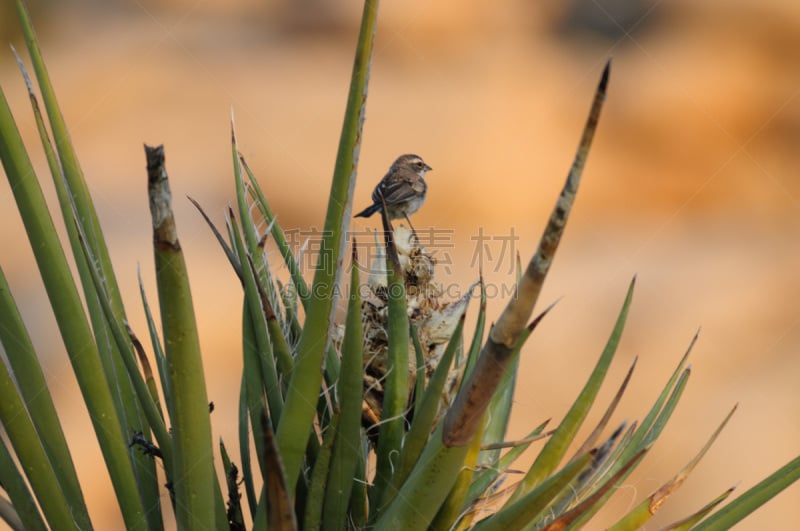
304 386
69 314
502 400
396 379
194 478
420 497
685 524
466 414
28 449
639 515
555 448
25 512
425 411
754 498
38 401
528 507
349 389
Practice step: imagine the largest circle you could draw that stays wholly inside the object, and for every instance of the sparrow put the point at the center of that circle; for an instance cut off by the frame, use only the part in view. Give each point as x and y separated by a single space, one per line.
403 189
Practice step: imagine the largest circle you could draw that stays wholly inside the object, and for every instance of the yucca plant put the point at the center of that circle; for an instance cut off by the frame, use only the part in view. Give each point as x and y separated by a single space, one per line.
394 419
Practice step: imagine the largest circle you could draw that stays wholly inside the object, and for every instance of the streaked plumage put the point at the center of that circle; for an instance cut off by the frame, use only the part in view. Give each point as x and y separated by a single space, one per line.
403 188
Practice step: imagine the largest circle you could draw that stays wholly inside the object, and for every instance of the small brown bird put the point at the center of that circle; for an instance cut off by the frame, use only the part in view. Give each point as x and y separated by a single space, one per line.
403 189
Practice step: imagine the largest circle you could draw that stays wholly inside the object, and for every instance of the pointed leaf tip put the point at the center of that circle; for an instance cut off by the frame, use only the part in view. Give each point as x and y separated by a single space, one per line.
23 70
618 431
604 78
533 324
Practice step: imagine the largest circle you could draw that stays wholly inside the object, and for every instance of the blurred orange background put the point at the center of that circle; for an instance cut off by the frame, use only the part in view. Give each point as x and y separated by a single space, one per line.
692 185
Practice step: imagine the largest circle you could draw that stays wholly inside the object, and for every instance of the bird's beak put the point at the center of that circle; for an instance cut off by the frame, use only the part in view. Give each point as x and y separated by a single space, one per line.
428 168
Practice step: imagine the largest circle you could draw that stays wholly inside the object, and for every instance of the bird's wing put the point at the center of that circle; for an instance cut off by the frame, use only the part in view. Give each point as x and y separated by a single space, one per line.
399 189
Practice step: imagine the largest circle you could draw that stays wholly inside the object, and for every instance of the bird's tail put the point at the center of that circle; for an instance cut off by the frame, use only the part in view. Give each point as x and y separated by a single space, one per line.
367 212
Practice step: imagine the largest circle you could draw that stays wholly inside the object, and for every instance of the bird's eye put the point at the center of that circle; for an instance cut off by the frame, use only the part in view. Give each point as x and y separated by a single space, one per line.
419 164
